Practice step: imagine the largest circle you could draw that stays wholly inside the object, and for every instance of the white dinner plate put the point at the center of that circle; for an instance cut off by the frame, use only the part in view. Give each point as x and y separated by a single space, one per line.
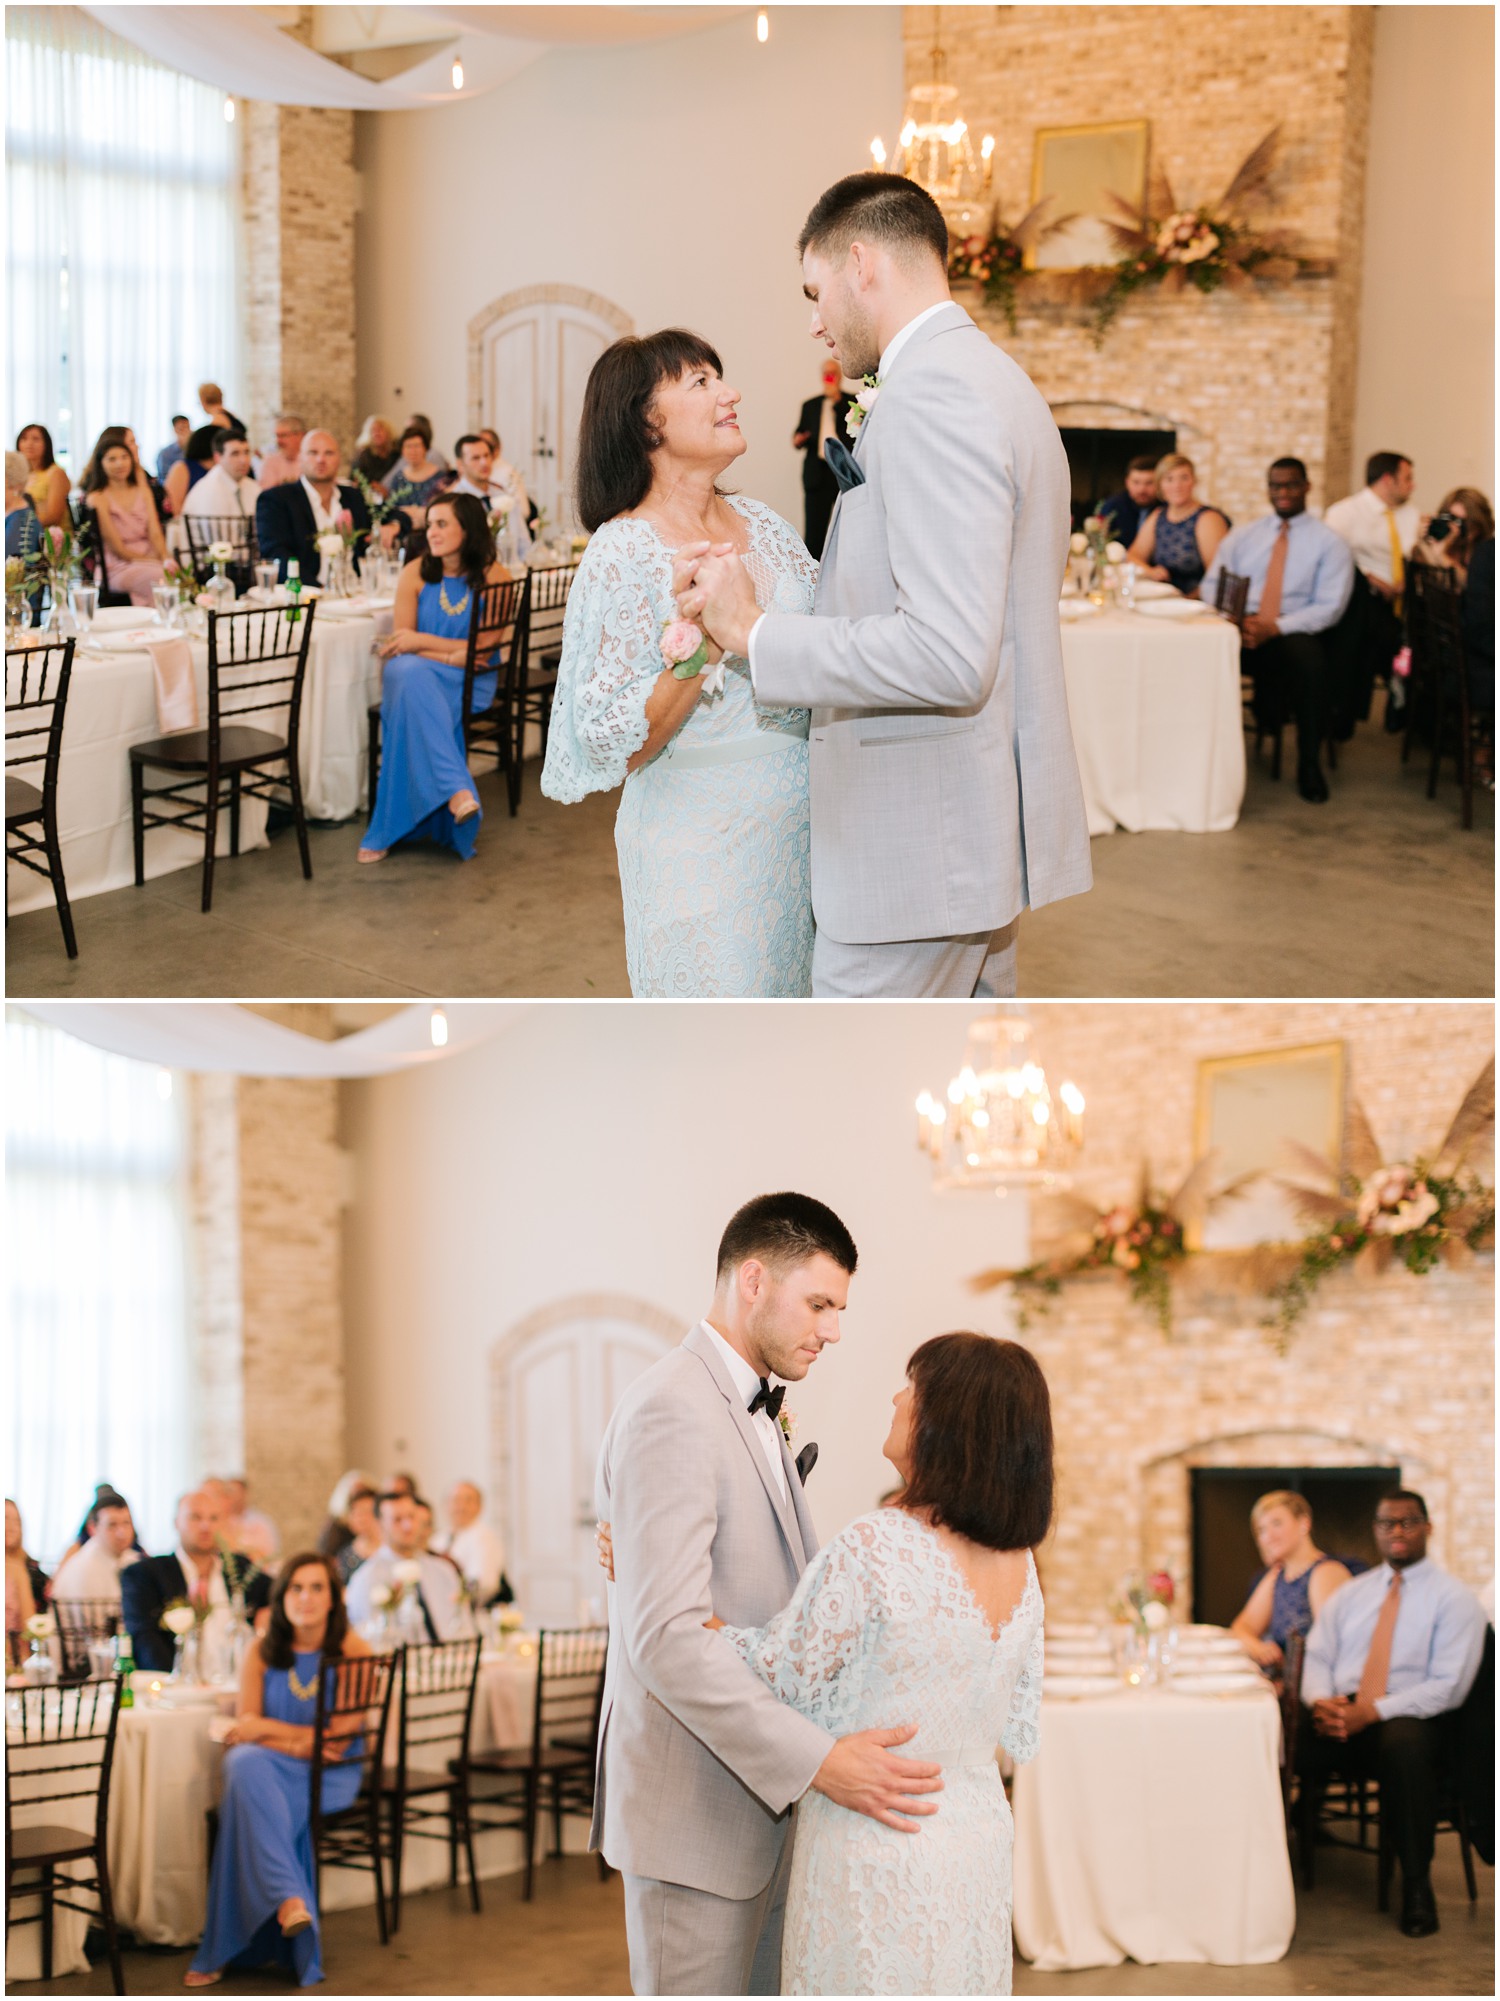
1212 1663
351 607
132 641
1071 1631
1070 1686
1217 1684
1153 587
119 617
1070 609
1175 607
1205 1632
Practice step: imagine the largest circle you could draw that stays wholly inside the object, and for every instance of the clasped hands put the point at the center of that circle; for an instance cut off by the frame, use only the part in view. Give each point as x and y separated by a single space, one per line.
1343 1716
711 588
861 1772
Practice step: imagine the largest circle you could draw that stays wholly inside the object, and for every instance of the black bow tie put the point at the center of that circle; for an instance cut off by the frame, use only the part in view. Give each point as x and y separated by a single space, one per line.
767 1399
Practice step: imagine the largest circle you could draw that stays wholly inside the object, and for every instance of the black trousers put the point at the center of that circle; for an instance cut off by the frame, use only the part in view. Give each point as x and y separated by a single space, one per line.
1292 678
819 491
1405 1756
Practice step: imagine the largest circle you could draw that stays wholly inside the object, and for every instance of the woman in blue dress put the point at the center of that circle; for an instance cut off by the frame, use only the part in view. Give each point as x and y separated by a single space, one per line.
1177 543
713 833
1298 1582
426 791
262 1892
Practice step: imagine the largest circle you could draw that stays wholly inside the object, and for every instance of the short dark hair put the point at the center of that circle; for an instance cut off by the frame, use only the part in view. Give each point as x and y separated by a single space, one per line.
1145 463
276 1647
1287 465
417 431
783 1231
468 438
1406 1494
181 417
615 437
200 445
885 208
393 1494
1380 465
981 1440
223 438
105 1504
478 549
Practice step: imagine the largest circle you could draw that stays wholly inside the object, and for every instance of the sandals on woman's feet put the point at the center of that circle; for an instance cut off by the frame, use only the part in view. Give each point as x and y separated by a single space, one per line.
298 1919
192 1979
373 854
463 806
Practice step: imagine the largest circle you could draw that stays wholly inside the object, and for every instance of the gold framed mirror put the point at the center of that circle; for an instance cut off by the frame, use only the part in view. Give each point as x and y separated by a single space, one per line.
1080 166
1248 1108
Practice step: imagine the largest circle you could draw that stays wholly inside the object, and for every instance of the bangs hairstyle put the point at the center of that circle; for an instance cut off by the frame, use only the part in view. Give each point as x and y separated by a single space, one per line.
478 550
875 208
784 1231
615 436
1175 462
981 1440
111 439
276 1647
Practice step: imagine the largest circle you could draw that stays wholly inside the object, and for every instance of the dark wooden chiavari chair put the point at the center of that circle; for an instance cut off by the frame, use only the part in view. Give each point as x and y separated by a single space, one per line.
36 701
430 1780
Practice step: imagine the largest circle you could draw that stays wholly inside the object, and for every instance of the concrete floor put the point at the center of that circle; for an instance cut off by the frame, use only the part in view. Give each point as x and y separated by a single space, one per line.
1377 894
571 1940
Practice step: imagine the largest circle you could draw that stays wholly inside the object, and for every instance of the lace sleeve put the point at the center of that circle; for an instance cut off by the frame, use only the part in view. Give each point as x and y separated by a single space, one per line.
610 663
809 1655
1022 1733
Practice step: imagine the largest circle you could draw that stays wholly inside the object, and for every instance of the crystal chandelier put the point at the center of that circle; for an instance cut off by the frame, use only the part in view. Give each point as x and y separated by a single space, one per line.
1000 1127
933 148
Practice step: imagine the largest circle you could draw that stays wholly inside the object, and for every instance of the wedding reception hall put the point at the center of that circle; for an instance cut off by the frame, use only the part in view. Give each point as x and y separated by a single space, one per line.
331 1326
304 306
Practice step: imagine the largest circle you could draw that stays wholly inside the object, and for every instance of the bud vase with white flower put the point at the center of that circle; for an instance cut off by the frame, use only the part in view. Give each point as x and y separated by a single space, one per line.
406 1601
40 1667
219 591
184 1620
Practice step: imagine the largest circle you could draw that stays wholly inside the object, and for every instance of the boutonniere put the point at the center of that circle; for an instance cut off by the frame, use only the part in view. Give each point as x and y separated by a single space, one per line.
863 404
787 1419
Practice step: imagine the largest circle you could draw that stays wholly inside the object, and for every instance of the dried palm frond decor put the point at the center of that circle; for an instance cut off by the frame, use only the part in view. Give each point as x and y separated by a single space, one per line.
1434 1209
1209 247
996 262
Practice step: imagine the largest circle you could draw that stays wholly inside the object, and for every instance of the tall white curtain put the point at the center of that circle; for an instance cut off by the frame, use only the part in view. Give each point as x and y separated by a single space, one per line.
123 216
98 1284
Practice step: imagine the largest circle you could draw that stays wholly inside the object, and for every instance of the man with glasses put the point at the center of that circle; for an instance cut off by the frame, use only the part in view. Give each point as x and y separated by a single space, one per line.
1389 1655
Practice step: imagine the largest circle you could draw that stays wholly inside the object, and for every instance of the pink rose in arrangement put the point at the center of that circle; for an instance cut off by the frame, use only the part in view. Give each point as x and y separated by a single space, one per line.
1160 1584
58 540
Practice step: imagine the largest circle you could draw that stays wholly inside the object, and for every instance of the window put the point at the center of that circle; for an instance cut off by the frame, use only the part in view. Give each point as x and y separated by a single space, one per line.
122 220
97 1276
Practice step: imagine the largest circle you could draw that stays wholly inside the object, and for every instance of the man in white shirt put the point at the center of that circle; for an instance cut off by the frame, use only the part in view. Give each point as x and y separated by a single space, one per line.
1381 525
471 1543
1390 1656
495 483
93 1572
439 1588
226 489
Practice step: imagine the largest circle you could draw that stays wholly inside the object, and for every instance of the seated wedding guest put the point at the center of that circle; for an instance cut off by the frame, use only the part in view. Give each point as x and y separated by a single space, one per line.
226 488
1298 1583
171 455
116 489
23 531
1389 1655
417 422
46 481
1176 541
1380 524
289 519
249 1530
495 484
375 449
440 1588
23 1594
418 479
283 465
364 1532
195 464
1464 519
201 1570
425 790
1126 511
263 1885
335 1533
1301 578
211 397
93 1570
471 1543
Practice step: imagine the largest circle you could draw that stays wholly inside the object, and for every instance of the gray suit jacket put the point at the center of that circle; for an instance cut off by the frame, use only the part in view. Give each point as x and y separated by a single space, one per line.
945 791
698 1761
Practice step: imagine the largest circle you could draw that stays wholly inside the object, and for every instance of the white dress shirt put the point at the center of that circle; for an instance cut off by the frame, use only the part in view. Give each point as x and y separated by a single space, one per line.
479 1554
214 1634
1361 520
1435 1647
217 493
92 1572
439 1586
323 517
745 1380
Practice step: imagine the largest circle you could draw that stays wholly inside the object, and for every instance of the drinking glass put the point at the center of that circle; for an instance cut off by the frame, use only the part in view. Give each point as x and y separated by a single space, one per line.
85 605
164 603
265 577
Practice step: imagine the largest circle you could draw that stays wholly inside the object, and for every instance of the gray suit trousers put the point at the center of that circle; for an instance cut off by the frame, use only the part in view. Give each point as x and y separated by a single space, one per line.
981 966
686 1941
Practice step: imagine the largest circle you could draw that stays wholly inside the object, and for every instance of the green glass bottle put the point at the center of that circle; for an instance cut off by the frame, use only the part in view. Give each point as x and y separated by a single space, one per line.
125 1668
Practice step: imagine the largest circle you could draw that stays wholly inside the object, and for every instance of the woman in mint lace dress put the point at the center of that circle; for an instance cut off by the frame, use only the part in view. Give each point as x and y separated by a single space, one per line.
928 1612
712 832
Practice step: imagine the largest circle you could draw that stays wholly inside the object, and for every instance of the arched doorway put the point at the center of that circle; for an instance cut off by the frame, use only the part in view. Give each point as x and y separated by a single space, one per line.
530 353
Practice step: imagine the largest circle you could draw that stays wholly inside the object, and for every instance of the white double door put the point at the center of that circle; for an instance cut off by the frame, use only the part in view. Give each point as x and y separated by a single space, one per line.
534 365
557 1393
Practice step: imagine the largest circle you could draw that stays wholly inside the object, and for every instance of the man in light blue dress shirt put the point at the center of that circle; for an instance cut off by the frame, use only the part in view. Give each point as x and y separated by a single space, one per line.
1290 653
1392 1731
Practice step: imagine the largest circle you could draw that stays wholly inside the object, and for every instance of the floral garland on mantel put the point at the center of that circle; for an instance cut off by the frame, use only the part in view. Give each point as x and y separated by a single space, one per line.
996 262
1433 1210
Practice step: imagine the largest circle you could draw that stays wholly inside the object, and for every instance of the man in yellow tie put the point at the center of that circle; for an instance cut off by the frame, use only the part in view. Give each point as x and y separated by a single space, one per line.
1381 525
1389 1658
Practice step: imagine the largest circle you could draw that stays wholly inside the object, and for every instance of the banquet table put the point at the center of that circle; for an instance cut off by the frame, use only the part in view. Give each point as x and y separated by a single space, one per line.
112 705
166 1777
1157 722
1149 1826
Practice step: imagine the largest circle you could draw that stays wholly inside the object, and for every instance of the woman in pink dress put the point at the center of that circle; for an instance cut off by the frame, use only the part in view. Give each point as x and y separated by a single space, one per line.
118 492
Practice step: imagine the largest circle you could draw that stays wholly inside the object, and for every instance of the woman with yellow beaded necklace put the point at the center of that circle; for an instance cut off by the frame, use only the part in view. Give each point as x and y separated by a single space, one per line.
262 1892
426 791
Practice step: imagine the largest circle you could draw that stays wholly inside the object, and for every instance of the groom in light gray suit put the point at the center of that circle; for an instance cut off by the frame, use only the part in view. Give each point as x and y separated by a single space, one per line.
945 790
699 1764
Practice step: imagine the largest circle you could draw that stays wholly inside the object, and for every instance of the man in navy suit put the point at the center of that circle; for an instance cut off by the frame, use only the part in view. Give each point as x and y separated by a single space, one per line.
200 1571
290 518
822 418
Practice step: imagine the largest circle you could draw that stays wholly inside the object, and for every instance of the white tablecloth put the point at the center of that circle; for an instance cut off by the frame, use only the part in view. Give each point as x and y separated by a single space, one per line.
166 1777
1157 722
112 704
1149 1827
